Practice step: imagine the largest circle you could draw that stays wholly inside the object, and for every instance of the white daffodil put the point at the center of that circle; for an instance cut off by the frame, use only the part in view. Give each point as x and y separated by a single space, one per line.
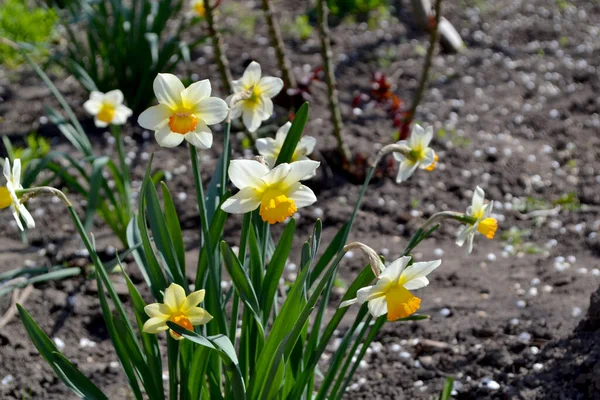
183 113
278 192
257 107
419 154
8 194
486 225
107 108
269 148
391 293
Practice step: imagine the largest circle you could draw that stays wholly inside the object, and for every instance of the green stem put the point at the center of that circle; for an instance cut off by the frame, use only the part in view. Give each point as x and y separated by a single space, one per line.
125 174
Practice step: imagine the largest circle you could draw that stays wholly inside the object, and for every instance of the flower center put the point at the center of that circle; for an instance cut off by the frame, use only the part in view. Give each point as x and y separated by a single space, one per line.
183 122
106 113
254 100
276 206
183 322
5 197
432 166
488 227
199 8
400 302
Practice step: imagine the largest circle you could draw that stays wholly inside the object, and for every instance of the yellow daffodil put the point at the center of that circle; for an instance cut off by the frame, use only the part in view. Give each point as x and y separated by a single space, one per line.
107 108
269 148
8 194
257 106
177 308
418 155
278 192
183 113
391 293
484 224
198 7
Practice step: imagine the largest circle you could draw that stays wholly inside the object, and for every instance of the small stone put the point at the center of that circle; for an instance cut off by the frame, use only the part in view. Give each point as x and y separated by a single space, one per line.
445 312
60 344
85 342
538 366
7 380
576 312
521 304
525 337
396 347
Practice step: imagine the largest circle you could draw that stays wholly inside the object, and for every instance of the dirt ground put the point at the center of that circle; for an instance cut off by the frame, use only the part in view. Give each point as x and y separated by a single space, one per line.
520 113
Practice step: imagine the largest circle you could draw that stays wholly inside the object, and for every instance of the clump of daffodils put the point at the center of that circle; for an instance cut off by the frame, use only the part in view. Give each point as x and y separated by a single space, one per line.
183 113
178 308
418 154
254 92
9 196
270 148
482 222
278 191
107 108
391 294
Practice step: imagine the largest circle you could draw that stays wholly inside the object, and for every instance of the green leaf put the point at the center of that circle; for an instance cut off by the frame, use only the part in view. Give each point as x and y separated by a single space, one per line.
337 244
174 227
78 379
96 182
447 390
293 136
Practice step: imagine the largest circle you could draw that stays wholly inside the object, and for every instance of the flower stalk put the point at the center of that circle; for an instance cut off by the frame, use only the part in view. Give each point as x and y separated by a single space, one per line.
277 43
217 39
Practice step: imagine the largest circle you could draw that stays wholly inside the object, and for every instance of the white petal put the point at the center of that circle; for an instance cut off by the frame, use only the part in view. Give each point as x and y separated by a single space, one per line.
393 271
168 88
362 294
97 96
270 86
155 325
244 201
174 297
477 202
378 307
252 118
114 97
300 170
417 134
100 124
399 156
461 234
419 269
201 138
416 283
195 93
428 159
17 218
406 169
211 110
347 303
267 108
237 110
251 75
306 145
26 216
16 172
470 242
247 173
154 117
266 146
282 132
302 195
427 136
92 106
166 138
121 115
6 168
277 174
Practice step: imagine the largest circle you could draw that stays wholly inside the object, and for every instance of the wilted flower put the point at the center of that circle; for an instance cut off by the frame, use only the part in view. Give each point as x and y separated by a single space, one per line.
257 107
183 113
107 108
391 293
8 194
270 148
178 308
278 192
420 155
486 225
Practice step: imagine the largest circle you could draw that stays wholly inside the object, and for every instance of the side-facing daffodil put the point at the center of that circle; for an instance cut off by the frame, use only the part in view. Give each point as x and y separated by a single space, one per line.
483 224
8 194
183 113
418 155
178 308
269 148
107 108
278 192
257 106
391 293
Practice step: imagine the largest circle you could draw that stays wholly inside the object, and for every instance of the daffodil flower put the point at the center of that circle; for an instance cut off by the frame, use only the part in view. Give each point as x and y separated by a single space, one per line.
391 293
483 224
107 108
257 106
8 194
270 148
178 308
183 113
418 155
198 7
278 192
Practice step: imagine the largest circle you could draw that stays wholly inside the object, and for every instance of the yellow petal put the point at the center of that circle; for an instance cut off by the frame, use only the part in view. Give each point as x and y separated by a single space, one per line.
157 310
198 316
193 300
174 297
155 325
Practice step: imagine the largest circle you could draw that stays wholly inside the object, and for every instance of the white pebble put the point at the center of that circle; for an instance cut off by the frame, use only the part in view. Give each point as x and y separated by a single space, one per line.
534 350
85 342
491 257
396 347
521 304
538 366
525 337
444 312
576 312
7 380
60 344
438 252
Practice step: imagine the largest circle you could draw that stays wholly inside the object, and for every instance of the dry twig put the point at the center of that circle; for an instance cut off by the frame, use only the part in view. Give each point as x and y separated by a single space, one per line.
277 43
217 40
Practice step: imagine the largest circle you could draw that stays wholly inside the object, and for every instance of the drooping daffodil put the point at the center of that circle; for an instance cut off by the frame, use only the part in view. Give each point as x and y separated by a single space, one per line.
418 154
391 293
178 308
9 197
256 105
270 148
278 191
483 224
183 113
107 108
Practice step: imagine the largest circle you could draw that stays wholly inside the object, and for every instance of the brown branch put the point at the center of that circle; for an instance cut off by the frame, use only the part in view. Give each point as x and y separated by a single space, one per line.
277 43
217 40
427 66
334 106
